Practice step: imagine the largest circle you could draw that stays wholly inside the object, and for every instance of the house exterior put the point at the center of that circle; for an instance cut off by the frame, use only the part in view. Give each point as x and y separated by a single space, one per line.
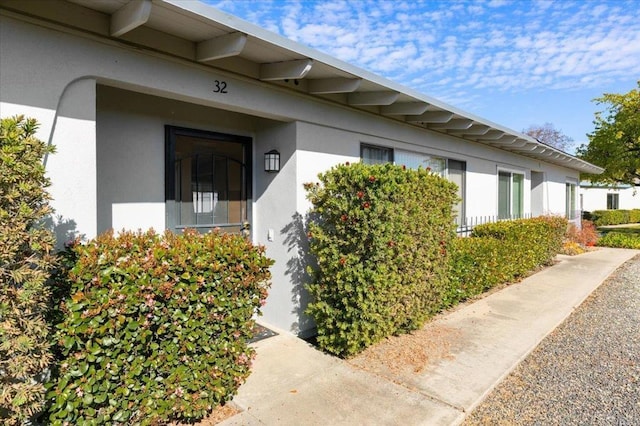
163 111
608 197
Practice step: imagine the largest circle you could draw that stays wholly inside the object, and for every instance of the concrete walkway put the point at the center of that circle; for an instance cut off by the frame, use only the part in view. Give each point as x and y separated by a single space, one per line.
294 384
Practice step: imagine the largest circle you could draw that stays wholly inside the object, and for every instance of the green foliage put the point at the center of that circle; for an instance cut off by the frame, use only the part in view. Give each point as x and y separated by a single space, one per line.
156 327
620 240
615 217
25 262
380 236
501 252
615 142
477 265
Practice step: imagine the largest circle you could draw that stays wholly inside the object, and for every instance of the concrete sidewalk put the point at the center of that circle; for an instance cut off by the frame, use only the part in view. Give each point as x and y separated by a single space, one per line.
294 384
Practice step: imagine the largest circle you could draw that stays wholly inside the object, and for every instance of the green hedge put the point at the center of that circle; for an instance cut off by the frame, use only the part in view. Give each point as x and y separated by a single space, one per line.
156 327
501 252
535 241
380 236
615 217
620 240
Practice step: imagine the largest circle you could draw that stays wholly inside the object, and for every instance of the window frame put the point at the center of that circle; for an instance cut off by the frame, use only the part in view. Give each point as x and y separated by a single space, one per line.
613 201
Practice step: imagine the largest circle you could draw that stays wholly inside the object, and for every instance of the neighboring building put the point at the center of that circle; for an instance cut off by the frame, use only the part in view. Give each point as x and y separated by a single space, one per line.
163 113
609 197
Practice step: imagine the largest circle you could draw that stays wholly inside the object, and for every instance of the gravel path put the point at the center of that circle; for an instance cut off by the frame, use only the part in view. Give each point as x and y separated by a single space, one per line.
586 372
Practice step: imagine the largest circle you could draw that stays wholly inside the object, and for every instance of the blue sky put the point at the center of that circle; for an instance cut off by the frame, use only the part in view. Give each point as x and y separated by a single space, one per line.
515 62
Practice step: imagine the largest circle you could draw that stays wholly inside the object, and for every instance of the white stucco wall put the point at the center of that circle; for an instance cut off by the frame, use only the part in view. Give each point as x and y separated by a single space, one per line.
104 105
595 198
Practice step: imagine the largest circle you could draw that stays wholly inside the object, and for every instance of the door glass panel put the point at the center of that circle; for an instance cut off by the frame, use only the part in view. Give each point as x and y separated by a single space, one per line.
517 196
504 195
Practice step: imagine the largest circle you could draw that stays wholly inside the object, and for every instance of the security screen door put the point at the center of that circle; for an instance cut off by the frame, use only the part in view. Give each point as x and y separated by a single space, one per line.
207 179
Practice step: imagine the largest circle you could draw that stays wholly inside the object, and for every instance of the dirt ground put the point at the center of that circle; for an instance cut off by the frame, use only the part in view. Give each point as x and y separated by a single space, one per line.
408 353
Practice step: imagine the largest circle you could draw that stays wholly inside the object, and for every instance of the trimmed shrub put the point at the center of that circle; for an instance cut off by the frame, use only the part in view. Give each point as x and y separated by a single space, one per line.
501 252
477 265
615 217
156 327
620 240
535 241
25 263
380 235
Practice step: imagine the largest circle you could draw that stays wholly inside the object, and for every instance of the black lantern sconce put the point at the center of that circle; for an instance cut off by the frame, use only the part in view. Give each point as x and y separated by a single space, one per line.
272 161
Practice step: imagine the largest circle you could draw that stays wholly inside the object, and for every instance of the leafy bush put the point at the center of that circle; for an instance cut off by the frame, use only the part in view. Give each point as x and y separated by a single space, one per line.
156 327
25 262
620 240
380 235
534 242
576 238
498 253
477 265
615 217
588 235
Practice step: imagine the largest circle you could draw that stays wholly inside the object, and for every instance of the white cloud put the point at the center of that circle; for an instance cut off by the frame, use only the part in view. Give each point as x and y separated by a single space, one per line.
498 45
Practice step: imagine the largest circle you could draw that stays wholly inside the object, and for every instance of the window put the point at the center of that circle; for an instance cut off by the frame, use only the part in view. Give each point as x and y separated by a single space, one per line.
453 170
413 160
510 195
207 182
371 154
612 201
571 200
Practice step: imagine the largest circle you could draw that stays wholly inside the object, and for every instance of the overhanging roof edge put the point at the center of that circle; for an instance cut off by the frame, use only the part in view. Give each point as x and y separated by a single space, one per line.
234 23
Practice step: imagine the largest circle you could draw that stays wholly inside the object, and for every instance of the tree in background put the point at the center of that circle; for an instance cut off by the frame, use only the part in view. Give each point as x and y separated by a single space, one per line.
549 135
615 142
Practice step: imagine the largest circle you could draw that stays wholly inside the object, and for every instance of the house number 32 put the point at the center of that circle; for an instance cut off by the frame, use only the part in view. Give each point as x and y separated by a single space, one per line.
220 86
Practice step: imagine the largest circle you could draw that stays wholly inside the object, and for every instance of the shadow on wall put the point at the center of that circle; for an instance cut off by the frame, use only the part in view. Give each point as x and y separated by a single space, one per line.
295 238
64 230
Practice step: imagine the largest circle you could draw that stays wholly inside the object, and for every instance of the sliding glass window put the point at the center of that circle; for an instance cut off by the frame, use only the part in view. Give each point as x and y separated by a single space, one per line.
510 195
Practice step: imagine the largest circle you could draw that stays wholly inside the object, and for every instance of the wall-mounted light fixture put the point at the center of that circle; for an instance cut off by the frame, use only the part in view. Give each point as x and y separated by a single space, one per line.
272 161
